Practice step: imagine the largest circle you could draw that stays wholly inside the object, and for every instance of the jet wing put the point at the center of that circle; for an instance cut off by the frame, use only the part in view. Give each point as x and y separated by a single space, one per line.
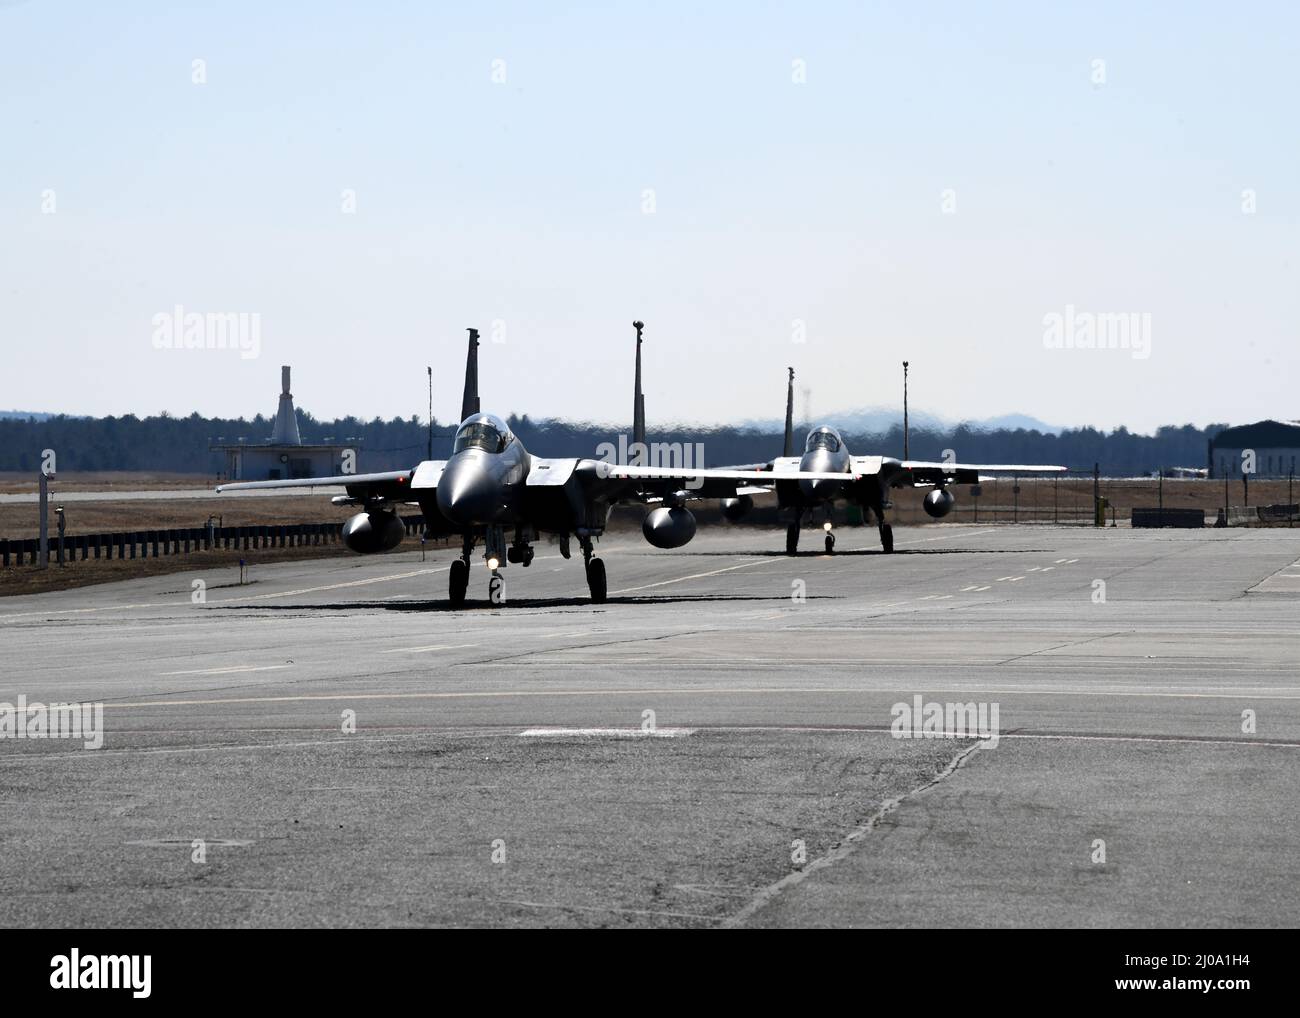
907 472
613 482
392 485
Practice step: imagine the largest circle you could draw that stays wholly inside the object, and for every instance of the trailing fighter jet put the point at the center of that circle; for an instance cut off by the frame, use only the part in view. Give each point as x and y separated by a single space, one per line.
491 487
859 480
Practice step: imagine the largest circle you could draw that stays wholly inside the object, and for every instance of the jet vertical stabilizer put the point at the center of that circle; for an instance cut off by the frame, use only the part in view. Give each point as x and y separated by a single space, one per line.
469 404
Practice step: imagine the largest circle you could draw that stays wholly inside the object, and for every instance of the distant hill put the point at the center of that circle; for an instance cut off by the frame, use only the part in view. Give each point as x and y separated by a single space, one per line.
23 415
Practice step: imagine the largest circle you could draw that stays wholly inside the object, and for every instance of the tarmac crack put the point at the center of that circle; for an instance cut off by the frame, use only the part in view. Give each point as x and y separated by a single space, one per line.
1063 646
847 844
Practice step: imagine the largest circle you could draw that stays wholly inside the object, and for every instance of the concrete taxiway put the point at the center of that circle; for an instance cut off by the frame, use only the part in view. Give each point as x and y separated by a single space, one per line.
1144 775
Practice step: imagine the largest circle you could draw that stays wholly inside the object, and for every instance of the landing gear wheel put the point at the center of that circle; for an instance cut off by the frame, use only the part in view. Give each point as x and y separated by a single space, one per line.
596 580
792 539
528 557
458 582
887 538
830 544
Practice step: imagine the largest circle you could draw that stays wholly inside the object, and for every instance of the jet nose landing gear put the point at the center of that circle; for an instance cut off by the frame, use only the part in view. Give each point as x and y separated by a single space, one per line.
458 576
830 538
595 572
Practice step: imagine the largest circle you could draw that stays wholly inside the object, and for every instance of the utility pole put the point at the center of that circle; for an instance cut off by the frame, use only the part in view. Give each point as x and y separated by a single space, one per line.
45 520
905 427
430 370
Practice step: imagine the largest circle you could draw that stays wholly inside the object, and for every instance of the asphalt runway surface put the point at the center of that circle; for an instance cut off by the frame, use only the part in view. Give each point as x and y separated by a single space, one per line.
504 770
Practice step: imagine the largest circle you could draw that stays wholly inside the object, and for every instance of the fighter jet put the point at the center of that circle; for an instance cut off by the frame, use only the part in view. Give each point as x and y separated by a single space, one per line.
493 491
859 480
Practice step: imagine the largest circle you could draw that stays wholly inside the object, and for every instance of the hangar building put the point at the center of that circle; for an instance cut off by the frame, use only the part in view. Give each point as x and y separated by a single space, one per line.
1276 445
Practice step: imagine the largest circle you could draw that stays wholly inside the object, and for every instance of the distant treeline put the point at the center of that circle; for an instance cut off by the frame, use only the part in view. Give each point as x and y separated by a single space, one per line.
181 444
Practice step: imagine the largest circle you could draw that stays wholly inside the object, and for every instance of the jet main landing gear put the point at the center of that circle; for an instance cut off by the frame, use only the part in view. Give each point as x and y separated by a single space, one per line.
792 538
887 538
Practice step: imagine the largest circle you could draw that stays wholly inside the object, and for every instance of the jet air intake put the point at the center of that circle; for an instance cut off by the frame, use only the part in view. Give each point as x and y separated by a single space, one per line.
668 528
938 503
372 532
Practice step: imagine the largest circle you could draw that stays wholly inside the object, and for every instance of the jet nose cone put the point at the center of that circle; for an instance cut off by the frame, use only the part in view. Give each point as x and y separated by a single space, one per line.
819 491
467 494
818 462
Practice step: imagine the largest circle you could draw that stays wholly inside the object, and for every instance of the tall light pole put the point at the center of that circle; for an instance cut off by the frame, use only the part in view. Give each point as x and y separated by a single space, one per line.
430 370
905 427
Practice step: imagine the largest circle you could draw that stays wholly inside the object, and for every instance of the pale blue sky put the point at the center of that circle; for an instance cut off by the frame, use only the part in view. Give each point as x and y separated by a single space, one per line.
775 202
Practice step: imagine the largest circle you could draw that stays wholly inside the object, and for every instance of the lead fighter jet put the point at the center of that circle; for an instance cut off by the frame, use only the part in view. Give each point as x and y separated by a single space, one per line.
492 486
861 480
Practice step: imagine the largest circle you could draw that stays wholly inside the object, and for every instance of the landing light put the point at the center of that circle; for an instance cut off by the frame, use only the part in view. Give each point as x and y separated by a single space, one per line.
826 525
493 563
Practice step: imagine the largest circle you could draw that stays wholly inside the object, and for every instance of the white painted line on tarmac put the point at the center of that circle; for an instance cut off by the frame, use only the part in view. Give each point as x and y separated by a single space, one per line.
697 576
231 670
426 650
1281 693
617 733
